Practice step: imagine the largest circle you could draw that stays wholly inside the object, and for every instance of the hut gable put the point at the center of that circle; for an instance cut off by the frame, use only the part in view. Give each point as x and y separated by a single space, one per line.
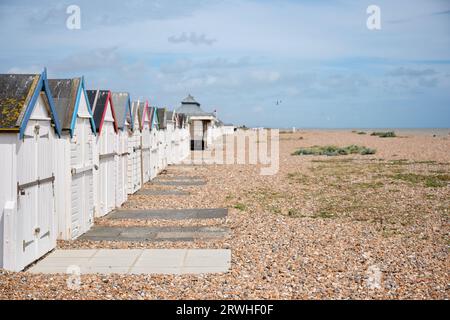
122 107
155 119
143 113
135 112
102 107
71 101
84 110
162 118
41 109
19 93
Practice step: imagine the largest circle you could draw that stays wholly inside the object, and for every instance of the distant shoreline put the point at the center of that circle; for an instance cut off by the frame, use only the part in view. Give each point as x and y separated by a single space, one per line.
420 131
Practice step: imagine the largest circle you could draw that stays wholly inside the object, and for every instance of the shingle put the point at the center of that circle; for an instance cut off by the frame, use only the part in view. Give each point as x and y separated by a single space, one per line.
99 105
15 93
190 107
64 93
120 101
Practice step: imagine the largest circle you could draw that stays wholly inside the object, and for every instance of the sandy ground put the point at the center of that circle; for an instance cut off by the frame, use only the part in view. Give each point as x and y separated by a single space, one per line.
346 227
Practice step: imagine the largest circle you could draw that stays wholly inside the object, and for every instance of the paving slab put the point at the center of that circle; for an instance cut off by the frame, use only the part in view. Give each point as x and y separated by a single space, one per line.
181 183
136 261
154 234
166 178
149 192
169 214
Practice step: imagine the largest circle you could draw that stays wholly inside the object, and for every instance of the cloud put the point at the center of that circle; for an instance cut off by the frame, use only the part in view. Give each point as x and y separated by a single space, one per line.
257 109
408 72
192 38
421 16
91 60
185 65
428 83
266 76
33 69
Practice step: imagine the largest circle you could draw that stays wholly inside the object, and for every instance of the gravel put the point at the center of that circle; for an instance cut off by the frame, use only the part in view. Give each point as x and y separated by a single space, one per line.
296 235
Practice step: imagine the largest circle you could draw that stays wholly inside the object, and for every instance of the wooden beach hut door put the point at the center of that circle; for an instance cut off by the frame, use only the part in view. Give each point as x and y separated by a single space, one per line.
154 154
134 161
36 202
146 151
82 189
121 165
107 170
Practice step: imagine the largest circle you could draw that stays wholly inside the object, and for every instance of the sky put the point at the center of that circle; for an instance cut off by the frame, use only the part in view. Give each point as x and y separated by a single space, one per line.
272 63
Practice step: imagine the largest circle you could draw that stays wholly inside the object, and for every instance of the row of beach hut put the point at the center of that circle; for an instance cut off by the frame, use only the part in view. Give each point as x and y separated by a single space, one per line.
69 155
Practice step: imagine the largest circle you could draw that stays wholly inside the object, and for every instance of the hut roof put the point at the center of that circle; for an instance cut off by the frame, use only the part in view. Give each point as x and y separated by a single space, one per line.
18 94
98 99
64 92
122 106
190 108
162 118
66 96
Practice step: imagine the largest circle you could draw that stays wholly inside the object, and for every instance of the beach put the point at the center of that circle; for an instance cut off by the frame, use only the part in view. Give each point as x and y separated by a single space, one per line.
372 226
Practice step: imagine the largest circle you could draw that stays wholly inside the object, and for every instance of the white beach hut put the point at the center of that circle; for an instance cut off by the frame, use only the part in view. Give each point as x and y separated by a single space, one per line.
134 152
74 158
29 127
105 151
201 124
185 140
145 124
172 134
163 139
122 108
154 143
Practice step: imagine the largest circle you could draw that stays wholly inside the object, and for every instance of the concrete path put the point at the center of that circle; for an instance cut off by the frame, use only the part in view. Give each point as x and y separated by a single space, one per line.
136 261
169 214
154 234
178 182
149 192
167 177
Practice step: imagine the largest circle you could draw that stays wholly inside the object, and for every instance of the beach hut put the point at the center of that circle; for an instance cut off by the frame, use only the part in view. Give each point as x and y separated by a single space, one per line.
228 128
29 127
172 135
134 152
145 125
122 107
154 143
74 158
202 124
185 141
162 139
105 151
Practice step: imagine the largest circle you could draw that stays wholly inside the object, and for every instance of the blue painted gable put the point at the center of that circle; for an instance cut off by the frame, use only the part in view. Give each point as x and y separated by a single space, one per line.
81 88
41 86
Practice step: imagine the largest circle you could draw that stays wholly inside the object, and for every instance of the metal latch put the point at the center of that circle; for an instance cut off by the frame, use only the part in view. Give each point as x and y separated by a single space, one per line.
45 235
25 244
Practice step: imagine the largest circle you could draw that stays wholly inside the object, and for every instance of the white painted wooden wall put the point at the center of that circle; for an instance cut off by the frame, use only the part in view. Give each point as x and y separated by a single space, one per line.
134 159
146 145
106 142
28 218
122 166
75 177
154 153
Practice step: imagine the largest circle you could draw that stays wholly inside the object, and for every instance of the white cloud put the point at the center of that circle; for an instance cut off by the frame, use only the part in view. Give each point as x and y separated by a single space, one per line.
192 38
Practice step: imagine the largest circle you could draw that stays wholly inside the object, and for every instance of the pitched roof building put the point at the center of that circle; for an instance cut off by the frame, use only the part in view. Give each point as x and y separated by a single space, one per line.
191 108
